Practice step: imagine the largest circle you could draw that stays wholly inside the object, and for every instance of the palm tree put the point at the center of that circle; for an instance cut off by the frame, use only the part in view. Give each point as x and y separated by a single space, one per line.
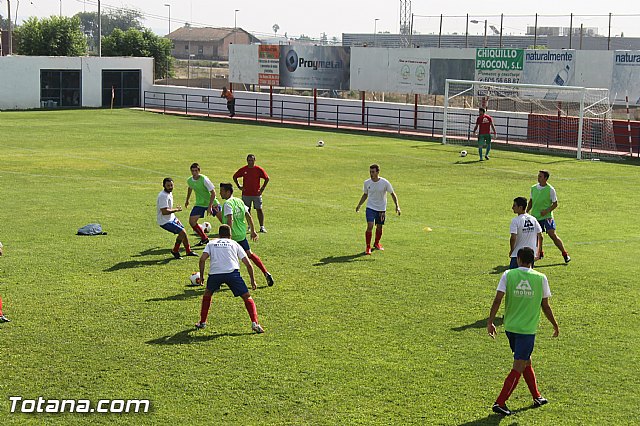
275 27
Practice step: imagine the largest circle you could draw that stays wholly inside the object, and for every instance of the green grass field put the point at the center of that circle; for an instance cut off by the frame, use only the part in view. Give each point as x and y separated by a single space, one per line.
394 338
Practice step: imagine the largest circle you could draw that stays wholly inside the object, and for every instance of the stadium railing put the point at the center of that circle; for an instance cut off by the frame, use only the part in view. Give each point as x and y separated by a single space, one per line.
424 121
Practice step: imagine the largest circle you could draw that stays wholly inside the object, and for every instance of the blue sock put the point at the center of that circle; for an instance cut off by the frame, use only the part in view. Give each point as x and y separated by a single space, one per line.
488 148
480 151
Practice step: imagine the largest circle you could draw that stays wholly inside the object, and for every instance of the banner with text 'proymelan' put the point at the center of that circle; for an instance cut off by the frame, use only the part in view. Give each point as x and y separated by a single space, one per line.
319 67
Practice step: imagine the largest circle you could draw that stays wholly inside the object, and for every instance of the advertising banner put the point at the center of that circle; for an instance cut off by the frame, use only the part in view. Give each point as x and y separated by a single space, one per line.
408 71
243 64
369 69
626 76
550 67
320 67
499 65
269 65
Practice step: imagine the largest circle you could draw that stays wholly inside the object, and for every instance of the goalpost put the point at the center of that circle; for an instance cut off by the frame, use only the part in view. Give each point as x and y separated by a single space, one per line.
532 116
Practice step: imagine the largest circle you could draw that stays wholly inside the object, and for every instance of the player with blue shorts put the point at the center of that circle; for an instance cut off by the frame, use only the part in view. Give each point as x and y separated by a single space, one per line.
375 193
206 201
168 221
224 268
525 291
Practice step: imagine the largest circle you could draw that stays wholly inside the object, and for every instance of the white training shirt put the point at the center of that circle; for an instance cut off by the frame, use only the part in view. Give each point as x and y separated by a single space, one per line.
165 199
526 228
552 192
502 284
224 256
377 194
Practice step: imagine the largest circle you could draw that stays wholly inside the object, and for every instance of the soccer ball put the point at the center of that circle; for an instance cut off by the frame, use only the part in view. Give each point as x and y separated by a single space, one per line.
463 153
206 227
320 144
195 278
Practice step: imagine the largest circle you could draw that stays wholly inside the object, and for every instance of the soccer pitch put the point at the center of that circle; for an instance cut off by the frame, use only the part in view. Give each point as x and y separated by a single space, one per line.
397 338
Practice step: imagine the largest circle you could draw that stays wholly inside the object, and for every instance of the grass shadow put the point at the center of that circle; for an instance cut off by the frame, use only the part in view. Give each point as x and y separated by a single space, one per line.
549 266
186 337
462 162
138 264
189 292
338 259
495 419
479 324
499 269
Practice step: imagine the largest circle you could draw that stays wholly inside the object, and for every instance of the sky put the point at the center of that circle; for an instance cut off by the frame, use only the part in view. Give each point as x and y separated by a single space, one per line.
334 17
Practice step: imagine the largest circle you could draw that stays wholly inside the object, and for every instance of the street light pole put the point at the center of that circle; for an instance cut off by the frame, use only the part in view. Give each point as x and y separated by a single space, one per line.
167 64
99 31
375 28
485 33
61 8
10 48
235 25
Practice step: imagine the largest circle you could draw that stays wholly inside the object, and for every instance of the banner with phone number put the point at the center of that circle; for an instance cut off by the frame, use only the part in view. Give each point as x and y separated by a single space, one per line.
499 65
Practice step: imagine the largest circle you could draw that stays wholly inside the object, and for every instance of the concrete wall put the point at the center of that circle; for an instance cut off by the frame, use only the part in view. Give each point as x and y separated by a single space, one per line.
20 77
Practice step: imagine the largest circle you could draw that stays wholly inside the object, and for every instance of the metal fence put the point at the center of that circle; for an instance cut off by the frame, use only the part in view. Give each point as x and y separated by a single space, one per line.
426 121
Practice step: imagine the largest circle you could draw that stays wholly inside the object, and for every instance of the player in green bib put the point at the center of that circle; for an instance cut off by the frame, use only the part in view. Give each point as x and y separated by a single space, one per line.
236 214
541 205
525 291
206 201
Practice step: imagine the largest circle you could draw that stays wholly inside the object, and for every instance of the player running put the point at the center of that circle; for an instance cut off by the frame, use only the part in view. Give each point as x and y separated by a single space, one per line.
542 203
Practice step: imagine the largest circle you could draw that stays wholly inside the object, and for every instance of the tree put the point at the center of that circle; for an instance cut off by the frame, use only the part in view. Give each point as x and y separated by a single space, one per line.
4 24
123 19
138 43
275 27
55 36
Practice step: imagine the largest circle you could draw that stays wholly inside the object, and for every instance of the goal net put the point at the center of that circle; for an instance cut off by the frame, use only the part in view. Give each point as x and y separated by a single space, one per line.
573 120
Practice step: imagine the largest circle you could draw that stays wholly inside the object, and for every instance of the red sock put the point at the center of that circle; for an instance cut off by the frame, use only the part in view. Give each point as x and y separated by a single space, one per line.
530 378
510 384
176 247
206 304
251 308
200 232
255 259
0 306
378 235
187 247
564 253
367 237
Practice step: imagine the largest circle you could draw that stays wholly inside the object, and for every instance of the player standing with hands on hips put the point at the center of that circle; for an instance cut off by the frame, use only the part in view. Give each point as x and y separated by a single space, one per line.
485 123
252 191
375 193
525 291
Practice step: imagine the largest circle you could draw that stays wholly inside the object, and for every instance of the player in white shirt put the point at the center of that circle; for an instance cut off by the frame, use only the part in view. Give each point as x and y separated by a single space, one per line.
224 265
168 220
525 231
375 193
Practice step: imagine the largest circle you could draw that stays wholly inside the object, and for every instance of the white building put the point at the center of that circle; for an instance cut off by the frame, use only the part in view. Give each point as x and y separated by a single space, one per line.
28 82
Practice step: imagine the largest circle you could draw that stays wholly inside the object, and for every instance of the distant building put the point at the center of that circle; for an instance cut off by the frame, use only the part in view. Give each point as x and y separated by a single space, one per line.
563 31
207 43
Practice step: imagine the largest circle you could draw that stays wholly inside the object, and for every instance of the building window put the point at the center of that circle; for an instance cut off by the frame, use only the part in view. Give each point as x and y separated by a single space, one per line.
200 50
60 88
186 47
122 87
